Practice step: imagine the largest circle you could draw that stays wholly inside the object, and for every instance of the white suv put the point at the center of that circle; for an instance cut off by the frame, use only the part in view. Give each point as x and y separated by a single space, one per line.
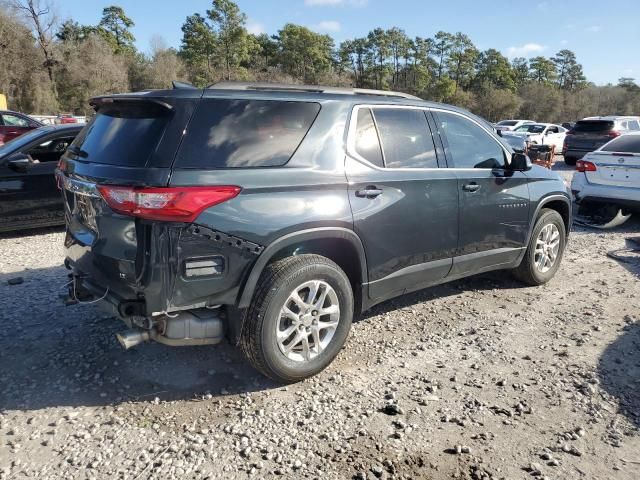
611 174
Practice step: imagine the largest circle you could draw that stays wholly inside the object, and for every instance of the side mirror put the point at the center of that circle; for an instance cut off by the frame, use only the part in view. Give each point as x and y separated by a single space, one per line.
520 162
20 162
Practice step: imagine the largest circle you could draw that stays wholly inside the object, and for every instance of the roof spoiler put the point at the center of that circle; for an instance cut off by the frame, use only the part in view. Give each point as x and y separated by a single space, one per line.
283 87
97 102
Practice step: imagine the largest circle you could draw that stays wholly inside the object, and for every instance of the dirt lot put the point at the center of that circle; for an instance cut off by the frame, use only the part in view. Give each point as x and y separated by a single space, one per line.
480 378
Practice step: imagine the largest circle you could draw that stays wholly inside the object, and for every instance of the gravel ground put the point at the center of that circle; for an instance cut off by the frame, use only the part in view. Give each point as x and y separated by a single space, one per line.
480 378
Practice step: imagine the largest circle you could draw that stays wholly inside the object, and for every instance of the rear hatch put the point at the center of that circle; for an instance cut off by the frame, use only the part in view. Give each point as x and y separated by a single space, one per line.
589 135
617 163
131 142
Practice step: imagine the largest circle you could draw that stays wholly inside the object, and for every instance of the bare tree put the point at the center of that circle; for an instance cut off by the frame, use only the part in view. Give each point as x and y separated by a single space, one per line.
40 15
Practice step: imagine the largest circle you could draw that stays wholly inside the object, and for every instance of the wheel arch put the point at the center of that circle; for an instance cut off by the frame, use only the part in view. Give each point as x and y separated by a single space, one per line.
341 245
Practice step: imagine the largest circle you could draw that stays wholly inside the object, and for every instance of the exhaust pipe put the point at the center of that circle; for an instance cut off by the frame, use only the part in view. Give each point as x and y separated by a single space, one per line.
131 338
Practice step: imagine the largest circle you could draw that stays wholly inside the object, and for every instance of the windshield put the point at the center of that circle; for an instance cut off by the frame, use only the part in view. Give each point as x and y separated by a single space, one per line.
19 142
507 123
531 128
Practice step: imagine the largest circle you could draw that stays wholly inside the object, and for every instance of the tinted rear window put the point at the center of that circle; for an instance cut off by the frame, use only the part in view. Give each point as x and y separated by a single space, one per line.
123 134
593 126
625 143
245 133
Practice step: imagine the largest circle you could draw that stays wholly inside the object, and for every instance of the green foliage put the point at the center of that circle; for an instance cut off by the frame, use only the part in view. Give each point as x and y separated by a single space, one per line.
42 72
227 22
304 54
542 70
198 50
114 29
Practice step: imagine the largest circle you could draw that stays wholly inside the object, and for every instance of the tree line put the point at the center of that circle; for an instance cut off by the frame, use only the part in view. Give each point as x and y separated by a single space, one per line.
49 65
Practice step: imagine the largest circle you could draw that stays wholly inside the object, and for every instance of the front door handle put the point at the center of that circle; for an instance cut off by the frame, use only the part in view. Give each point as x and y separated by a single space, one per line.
369 192
471 187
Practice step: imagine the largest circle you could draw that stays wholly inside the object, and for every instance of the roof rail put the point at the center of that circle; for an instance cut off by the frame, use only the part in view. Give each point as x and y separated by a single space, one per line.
284 87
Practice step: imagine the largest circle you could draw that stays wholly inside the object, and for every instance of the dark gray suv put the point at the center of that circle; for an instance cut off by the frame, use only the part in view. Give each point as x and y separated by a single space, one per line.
270 215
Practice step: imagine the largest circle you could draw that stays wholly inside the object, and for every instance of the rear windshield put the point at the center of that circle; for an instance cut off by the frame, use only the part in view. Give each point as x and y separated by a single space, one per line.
123 134
245 133
625 143
508 123
593 126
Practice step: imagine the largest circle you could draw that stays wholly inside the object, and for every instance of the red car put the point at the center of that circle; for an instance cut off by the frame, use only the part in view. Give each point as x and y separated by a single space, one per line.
66 118
14 124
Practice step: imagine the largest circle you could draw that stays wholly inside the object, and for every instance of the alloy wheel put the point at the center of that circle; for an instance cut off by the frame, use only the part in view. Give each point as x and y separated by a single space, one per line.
308 321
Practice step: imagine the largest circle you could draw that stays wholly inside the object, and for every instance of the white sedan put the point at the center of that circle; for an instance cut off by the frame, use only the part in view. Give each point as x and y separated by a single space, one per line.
542 134
611 174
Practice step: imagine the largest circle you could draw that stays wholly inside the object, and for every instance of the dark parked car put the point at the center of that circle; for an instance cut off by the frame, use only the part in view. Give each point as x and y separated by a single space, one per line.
592 133
271 215
29 196
14 124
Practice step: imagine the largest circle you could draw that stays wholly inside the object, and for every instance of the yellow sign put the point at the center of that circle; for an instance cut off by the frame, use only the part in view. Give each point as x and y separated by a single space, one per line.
3 102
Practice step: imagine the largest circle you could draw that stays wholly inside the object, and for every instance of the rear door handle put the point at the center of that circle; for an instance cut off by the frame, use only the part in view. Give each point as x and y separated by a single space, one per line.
369 192
471 187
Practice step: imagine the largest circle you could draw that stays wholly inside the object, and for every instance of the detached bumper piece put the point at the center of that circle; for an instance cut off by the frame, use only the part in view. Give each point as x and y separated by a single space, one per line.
192 327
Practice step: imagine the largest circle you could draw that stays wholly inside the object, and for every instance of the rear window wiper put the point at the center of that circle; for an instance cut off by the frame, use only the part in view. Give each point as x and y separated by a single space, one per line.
78 151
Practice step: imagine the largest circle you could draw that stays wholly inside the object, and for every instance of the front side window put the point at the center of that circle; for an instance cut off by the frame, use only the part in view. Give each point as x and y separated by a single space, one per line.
633 125
367 142
14 121
406 138
245 133
469 145
50 150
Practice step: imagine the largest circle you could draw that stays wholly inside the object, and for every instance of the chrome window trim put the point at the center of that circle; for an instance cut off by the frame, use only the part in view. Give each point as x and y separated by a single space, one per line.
507 154
351 138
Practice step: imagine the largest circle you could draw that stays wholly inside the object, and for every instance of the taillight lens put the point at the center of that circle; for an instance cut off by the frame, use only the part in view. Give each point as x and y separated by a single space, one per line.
585 166
614 134
170 204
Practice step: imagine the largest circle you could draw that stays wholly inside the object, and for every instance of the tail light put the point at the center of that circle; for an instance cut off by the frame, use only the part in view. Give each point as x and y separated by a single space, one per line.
570 132
171 204
614 134
585 166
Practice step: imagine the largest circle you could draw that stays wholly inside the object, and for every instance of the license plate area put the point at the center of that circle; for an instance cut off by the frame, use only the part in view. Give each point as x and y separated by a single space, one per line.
621 174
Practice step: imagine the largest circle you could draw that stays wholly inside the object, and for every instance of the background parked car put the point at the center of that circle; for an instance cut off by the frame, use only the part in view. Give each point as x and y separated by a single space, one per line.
610 175
592 133
65 118
29 196
511 124
14 124
542 134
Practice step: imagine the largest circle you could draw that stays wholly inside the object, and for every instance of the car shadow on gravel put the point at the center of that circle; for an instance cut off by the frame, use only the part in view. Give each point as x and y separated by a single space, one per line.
57 356
619 370
497 280
31 232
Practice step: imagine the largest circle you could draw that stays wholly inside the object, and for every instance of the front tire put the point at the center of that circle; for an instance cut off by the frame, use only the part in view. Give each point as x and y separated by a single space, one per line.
299 318
544 252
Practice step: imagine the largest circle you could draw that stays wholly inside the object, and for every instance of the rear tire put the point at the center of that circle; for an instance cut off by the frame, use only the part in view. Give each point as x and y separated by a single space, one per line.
290 299
571 161
542 258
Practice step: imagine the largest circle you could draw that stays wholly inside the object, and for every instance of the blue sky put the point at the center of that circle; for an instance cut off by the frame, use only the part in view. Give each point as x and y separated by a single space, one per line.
604 34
